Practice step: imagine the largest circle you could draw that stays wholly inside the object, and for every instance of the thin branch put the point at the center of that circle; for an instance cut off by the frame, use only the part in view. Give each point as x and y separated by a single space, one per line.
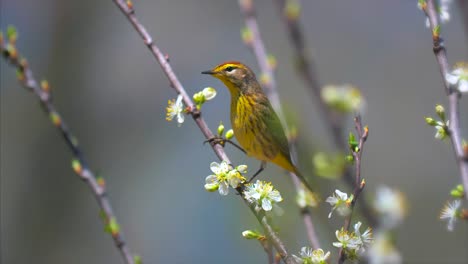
307 70
127 9
97 186
358 184
453 94
269 83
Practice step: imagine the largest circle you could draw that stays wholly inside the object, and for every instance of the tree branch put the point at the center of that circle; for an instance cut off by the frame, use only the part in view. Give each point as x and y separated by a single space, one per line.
453 94
127 9
80 165
269 83
358 184
307 70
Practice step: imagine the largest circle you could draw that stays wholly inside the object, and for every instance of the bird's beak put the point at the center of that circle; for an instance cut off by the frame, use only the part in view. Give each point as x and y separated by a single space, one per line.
208 72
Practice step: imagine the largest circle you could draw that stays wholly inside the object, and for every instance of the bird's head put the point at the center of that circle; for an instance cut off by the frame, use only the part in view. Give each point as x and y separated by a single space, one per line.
235 75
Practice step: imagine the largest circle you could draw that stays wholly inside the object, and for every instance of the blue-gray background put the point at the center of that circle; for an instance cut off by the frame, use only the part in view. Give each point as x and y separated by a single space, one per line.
113 95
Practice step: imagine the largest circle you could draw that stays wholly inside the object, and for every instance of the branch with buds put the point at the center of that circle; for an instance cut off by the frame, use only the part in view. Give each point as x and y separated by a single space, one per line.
127 9
252 37
80 166
356 148
454 83
290 11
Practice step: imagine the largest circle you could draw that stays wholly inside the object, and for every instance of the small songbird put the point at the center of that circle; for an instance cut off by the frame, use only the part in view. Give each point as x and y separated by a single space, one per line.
256 125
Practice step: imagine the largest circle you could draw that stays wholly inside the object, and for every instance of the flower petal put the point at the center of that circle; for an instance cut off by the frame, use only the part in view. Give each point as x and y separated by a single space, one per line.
266 204
223 188
275 196
214 166
211 179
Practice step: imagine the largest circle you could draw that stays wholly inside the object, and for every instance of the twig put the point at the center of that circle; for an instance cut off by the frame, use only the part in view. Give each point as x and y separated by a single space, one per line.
453 94
269 83
97 186
358 184
306 69
127 9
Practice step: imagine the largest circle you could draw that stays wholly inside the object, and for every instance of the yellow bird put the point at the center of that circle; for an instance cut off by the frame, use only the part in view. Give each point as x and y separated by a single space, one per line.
256 125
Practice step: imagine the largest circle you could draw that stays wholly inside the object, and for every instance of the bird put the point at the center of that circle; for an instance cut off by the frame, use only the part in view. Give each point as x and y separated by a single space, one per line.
256 125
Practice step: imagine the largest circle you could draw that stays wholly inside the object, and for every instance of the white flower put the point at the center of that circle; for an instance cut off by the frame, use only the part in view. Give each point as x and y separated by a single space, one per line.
209 93
263 194
451 213
383 251
222 178
306 198
365 239
340 202
346 240
174 109
391 206
309 256
459 78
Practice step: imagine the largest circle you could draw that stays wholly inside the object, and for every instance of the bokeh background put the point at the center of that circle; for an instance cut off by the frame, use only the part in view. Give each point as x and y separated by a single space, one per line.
113 95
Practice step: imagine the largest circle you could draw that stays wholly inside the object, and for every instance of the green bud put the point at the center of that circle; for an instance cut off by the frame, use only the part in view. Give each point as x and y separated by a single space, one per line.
247 35
436 31
430 121
137 259
250 234
458 192
350 158
440 112
220 128
292 9
353 144
12 33
211 187
229 134
112 227
199 98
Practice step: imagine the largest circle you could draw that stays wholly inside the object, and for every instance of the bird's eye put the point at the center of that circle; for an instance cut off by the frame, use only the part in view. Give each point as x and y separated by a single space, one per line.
229 69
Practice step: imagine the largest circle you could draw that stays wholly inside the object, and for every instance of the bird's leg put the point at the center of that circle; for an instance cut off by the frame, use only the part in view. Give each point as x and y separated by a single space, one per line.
222 141
262 167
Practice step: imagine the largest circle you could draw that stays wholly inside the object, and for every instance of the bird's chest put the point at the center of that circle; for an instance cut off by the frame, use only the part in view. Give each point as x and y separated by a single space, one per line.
246 126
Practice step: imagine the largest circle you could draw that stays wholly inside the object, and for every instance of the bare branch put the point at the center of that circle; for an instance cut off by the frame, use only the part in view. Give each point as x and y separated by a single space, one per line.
127 9
269 83
453 95
97 186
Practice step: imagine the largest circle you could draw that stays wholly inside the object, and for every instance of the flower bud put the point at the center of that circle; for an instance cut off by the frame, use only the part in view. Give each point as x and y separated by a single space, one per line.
220 128
211 187
430 121
209 93
242 168
440 112
199 98
250 234
229 134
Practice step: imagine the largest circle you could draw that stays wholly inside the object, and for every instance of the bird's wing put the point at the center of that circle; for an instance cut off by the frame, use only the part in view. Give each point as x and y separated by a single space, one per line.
276 129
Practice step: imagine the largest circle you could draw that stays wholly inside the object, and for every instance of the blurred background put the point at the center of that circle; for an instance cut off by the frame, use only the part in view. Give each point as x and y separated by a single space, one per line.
113 95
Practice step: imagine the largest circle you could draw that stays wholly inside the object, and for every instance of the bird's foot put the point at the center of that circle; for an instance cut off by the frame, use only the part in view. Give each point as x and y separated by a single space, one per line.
222 141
